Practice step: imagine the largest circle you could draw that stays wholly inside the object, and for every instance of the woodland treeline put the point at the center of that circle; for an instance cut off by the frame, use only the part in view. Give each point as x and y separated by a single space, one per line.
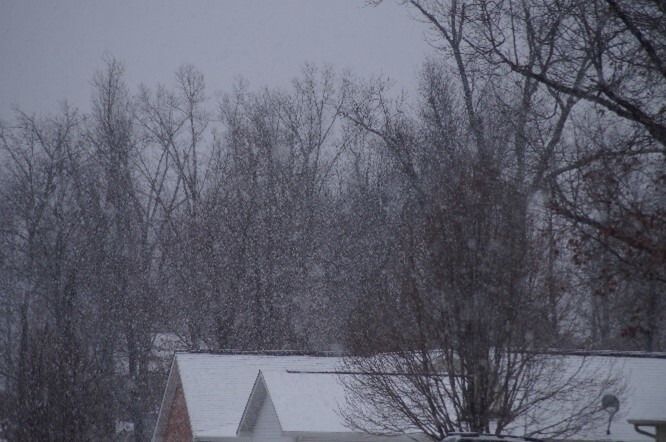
522 187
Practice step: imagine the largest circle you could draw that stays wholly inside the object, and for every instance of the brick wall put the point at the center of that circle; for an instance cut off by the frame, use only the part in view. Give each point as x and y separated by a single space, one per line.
178 426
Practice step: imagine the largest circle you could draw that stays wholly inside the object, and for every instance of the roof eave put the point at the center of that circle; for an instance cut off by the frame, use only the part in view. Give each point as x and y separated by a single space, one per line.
165 407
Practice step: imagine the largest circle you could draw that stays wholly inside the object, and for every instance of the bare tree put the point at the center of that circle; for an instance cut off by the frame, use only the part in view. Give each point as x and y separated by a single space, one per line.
174 124
53 366
609 56
453 335
133 200
456 334
607 52
616 207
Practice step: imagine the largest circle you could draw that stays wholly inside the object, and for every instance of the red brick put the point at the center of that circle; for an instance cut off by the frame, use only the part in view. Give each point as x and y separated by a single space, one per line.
178 427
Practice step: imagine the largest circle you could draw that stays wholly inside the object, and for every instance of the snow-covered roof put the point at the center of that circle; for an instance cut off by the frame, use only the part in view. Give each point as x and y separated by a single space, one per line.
305 402
217 386
643 377
307 394
645 396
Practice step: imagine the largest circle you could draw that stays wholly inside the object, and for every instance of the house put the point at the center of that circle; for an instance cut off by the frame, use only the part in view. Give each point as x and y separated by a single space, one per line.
289 398
232 397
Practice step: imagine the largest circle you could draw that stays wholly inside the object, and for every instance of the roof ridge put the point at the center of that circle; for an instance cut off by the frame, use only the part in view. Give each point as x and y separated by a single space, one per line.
325 353
314 353
612 353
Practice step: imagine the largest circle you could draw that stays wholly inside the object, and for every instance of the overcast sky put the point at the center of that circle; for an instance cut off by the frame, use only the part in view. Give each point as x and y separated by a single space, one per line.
49 49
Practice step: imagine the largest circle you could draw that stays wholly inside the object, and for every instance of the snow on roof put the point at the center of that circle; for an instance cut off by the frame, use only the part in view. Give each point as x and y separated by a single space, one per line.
307 402
646 396
644 380
217 386
307 395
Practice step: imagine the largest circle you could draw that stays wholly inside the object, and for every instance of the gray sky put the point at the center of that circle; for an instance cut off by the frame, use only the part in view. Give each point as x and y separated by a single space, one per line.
49 49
